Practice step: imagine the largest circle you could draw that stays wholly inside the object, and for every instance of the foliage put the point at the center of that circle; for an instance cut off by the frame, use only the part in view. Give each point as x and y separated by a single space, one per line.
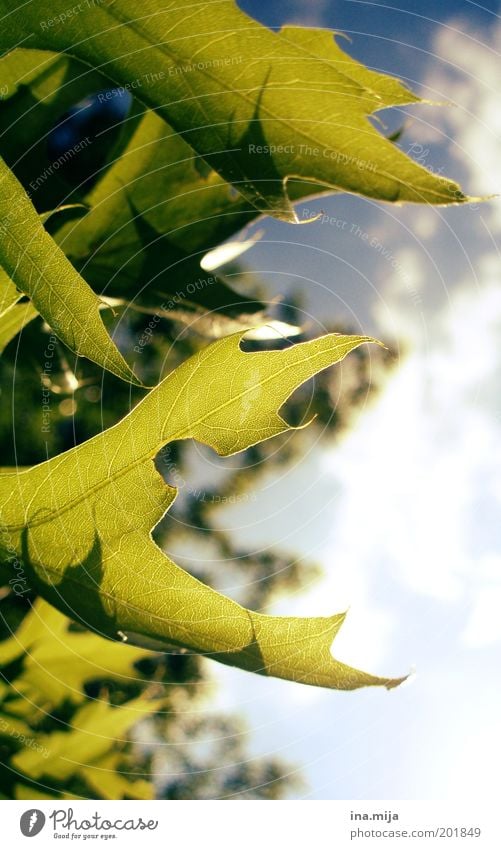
41 270
242 89
223 129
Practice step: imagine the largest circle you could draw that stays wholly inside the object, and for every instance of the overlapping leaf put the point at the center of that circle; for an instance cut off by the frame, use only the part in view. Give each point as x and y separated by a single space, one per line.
154 195
81 522
15 313
39 268
262 107
152 216
38 89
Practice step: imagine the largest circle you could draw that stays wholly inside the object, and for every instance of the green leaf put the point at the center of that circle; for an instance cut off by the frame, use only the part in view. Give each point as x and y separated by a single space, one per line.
261 106
40 269
13 315
23 791
80 523
95 727
51 666
57 663
13 321
9 294
142 208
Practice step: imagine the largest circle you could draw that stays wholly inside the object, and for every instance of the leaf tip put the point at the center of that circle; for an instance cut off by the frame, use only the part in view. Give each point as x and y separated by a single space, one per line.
392 683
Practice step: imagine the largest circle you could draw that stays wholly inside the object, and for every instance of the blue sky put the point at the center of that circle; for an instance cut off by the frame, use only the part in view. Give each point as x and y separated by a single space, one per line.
403 514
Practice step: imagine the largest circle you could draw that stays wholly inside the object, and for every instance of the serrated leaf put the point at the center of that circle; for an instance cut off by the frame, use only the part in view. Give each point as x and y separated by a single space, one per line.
229 84
81 522
40 269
